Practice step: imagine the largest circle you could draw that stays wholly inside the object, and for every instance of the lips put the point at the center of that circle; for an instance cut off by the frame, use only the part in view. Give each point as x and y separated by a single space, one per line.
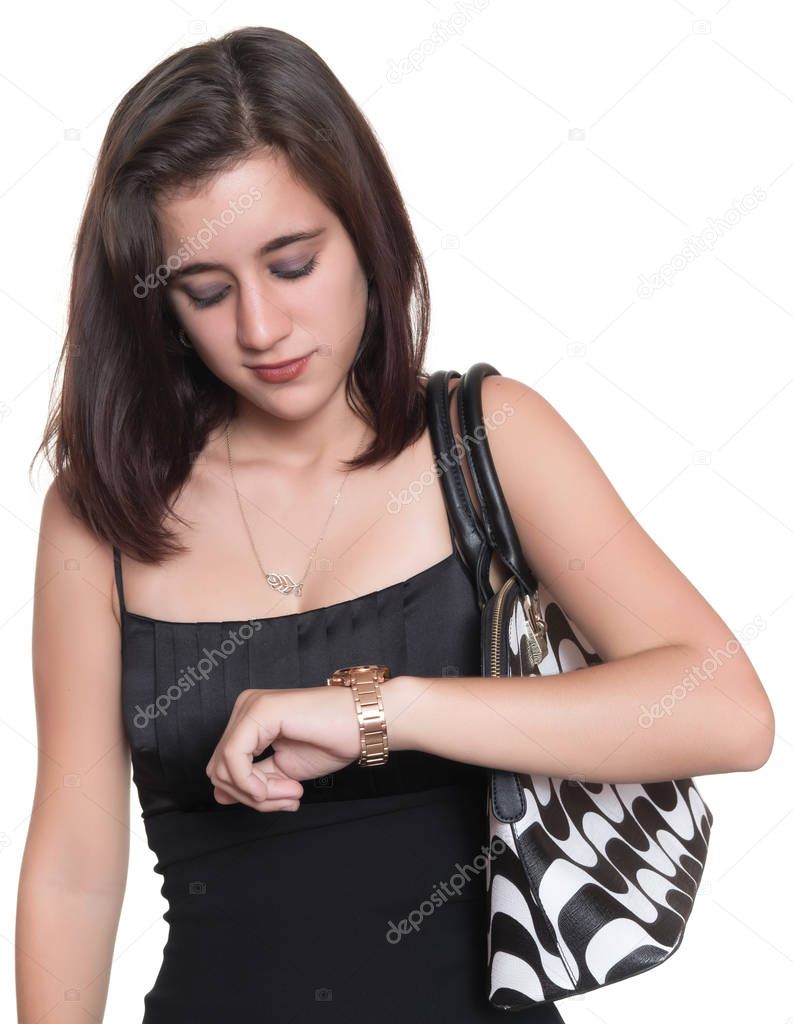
277 366
273 373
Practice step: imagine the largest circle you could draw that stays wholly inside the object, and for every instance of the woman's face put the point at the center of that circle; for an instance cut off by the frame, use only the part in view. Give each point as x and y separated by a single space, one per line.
264 298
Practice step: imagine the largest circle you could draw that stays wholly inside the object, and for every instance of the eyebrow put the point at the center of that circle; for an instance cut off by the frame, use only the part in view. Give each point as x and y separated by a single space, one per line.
274 244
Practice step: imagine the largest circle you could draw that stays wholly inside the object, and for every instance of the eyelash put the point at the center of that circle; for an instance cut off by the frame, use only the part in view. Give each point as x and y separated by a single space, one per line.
289 275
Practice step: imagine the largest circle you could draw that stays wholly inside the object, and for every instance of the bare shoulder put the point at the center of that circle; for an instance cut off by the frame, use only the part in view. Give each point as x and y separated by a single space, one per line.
578 534
532 439
78 837
73 564
76 638
583 541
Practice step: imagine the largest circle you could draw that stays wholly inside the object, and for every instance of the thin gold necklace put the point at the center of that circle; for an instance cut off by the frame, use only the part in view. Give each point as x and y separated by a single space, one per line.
280 581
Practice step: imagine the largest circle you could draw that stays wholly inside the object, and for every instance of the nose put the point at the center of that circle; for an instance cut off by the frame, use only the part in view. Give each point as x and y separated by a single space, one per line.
261 320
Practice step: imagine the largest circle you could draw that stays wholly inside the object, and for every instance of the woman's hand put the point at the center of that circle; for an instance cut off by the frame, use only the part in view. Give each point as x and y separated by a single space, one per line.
313 731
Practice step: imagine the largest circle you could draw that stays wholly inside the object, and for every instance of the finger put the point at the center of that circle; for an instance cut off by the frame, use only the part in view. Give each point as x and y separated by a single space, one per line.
245 739
225 795
278 784
271 785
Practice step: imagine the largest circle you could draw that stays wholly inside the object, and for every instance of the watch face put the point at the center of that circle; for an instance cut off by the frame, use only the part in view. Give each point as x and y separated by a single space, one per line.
345 676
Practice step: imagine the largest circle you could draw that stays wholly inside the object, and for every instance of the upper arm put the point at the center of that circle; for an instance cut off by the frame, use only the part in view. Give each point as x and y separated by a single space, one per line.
582 541
79 829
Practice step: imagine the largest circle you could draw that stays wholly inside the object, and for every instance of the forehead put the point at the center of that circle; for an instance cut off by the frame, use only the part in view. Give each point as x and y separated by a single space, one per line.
255 199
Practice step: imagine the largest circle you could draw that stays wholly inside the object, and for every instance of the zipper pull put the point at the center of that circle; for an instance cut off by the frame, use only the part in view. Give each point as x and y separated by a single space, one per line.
538 633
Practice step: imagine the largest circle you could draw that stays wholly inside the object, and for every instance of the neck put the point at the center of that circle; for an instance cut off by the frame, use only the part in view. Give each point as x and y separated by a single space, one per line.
331 434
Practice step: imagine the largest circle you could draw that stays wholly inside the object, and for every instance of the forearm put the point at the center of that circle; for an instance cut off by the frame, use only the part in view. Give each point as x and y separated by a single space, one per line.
64 953
644 718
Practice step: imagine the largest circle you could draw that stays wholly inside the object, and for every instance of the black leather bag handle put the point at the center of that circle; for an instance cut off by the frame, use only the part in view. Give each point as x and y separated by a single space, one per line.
465 525
495 531
499 526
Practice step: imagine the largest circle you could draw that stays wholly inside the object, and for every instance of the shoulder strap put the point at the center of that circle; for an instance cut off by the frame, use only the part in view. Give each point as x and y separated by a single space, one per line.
460 511
119 580
499 527
495 531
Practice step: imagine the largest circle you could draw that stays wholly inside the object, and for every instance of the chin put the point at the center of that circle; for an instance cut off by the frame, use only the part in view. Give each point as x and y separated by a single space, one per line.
292 401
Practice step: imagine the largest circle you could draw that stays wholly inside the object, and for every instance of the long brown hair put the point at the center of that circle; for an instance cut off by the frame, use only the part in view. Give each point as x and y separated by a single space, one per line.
135 406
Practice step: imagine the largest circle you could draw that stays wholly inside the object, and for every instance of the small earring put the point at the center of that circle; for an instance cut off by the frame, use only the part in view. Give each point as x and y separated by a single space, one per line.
180 334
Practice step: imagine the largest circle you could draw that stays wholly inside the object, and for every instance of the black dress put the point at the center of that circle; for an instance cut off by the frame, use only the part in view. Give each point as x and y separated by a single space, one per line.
364 905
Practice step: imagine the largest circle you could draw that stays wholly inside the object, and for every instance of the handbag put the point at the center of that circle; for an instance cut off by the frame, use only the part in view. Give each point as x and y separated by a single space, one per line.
593 882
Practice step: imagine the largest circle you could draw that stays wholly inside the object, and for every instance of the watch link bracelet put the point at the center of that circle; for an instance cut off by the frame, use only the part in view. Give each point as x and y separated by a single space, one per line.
364 681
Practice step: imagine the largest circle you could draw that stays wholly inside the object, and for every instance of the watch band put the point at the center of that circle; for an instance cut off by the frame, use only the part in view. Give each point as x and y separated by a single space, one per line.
364 681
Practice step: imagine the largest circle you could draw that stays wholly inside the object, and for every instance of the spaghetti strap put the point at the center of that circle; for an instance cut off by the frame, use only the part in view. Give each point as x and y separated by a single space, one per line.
119 580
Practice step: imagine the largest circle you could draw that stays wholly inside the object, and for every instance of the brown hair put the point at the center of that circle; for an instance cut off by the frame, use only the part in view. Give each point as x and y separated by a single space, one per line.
135 407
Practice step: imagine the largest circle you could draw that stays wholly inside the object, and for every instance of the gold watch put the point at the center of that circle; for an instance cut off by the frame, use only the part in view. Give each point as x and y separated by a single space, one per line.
364 681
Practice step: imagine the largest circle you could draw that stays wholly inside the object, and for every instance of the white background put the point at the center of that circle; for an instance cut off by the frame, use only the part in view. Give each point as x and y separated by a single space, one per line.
552 158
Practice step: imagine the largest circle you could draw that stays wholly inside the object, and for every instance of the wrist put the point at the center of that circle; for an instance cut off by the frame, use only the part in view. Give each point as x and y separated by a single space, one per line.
365 684
400 695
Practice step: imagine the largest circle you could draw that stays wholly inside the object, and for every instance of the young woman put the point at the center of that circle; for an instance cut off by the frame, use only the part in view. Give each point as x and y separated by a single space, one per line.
243 505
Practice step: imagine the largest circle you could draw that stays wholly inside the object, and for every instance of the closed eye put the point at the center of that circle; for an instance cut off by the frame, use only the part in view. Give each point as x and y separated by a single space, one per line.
284 275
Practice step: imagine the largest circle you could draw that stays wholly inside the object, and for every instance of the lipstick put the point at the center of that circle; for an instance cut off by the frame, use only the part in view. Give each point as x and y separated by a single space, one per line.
278 374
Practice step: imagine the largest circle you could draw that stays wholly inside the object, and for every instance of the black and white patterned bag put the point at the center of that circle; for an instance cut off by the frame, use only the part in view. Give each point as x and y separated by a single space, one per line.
588 882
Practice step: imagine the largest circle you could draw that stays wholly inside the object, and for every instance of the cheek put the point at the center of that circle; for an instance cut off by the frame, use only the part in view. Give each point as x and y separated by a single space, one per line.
217 357
212 334
341 302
